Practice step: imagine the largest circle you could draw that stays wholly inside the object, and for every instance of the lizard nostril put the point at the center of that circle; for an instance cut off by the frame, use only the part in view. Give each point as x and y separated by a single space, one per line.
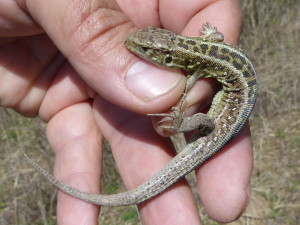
144 49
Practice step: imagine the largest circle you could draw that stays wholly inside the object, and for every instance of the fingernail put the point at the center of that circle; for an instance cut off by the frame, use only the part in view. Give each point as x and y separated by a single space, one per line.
148 82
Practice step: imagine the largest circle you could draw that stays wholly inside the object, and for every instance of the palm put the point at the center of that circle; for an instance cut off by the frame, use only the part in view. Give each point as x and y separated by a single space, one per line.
25 63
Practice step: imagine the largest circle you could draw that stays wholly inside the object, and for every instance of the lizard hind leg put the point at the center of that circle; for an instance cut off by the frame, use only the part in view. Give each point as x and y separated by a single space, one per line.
202 123
168 127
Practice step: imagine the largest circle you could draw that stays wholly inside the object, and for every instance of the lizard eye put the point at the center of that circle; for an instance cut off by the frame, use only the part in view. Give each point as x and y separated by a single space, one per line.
168 59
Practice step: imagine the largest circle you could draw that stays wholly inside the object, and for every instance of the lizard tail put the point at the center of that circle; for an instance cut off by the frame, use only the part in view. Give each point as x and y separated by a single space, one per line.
167 176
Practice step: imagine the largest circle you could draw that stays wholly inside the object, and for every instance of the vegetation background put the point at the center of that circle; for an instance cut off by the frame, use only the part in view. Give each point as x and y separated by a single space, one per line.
271 37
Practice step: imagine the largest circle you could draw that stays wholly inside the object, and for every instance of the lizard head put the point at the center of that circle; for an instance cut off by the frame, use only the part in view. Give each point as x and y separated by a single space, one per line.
155 45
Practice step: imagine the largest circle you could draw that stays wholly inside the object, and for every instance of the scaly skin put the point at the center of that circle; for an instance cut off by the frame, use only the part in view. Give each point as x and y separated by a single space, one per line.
204 56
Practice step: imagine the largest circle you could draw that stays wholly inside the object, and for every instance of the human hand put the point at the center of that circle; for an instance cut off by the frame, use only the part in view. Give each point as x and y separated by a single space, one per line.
80 110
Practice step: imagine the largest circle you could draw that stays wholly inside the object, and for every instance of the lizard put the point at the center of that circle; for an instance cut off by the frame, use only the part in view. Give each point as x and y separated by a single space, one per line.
204 56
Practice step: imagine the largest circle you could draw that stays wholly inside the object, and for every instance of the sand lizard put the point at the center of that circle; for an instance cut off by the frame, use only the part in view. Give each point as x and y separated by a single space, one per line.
204 56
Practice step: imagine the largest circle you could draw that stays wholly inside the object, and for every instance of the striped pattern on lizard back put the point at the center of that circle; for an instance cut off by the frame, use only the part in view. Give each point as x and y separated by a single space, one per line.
204 56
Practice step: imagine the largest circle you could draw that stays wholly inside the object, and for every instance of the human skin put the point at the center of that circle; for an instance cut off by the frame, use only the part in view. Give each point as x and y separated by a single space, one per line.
64 61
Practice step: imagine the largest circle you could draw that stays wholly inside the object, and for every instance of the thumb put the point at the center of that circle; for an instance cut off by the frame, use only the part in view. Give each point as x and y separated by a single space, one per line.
90 35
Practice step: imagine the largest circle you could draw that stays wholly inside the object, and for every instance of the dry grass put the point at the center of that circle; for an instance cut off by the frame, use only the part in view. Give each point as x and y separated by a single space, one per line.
271 34
271 38
25 199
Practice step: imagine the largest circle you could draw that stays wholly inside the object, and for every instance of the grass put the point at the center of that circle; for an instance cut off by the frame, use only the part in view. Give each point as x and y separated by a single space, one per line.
271 34
270 37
